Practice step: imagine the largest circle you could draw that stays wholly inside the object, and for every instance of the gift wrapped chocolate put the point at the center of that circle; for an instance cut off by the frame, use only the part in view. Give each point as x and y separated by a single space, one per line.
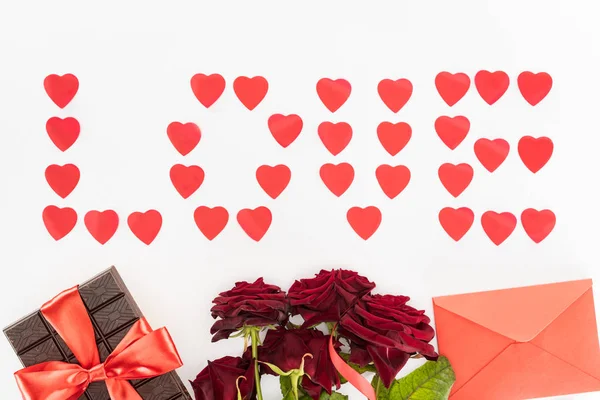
93 342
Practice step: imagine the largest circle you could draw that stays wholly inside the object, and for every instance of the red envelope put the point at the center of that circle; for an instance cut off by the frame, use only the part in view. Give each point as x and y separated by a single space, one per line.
520 343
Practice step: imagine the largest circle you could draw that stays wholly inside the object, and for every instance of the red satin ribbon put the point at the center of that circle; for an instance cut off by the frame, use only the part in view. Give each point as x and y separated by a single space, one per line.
353 377
143 353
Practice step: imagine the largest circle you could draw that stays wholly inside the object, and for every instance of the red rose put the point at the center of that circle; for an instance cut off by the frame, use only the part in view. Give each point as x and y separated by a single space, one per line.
327 296
386 331
286 348
218 380
248 304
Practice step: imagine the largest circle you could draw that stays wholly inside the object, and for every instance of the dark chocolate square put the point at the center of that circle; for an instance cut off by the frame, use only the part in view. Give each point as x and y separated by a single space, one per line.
160 388
112 312
114 316
26 332
45 351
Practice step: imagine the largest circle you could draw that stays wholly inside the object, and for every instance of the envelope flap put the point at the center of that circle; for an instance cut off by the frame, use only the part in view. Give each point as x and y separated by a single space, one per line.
518 313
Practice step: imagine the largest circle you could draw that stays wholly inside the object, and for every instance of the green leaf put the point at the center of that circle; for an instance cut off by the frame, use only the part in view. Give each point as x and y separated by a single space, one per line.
381 392
332 396
285 384
431 381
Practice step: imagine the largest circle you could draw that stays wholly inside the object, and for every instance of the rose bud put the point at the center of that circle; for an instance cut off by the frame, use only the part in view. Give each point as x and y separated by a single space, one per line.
248 304
327 296
386 331
221 379
287 348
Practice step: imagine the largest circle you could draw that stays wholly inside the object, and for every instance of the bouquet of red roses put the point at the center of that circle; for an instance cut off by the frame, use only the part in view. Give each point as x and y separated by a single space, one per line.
346 331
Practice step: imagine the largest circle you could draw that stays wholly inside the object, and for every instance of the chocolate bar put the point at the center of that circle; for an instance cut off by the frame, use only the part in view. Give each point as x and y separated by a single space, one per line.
112 311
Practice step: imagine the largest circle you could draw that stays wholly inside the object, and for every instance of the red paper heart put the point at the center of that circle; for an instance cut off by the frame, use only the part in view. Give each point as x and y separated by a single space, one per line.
255 222
452 130
285 128
250 91
535 153
455 178
452 87
59 221
394 137
145 226
102 225
185 137
393 180
63 132
333 93
491 153
273 180
538 224
61 89
62 179
498 226
491 85
364 221
456 222
534 87
211 221
395 94
186 180
207 88
337 178
335 137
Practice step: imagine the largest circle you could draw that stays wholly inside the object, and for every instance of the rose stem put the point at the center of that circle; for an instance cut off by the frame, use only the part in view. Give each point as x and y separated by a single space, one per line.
254 337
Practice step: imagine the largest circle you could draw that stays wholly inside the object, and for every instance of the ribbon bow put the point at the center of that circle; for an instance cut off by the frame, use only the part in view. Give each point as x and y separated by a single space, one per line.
143 353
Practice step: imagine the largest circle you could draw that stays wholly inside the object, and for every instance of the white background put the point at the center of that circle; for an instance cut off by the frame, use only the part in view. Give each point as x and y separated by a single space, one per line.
134 61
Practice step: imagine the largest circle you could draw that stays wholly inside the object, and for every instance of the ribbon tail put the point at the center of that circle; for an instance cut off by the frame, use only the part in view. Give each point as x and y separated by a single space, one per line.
121 390
353 377
52 380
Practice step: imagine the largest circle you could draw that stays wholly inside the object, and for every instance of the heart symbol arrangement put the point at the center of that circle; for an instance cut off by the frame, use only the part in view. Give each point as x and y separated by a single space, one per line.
207 88
394 137
62 179
452 130
273 180
184 137
63 132
333 93
452 87
364 221
61 89
491 85
335 137
285 128
395 94
498 226
250 91
337 178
